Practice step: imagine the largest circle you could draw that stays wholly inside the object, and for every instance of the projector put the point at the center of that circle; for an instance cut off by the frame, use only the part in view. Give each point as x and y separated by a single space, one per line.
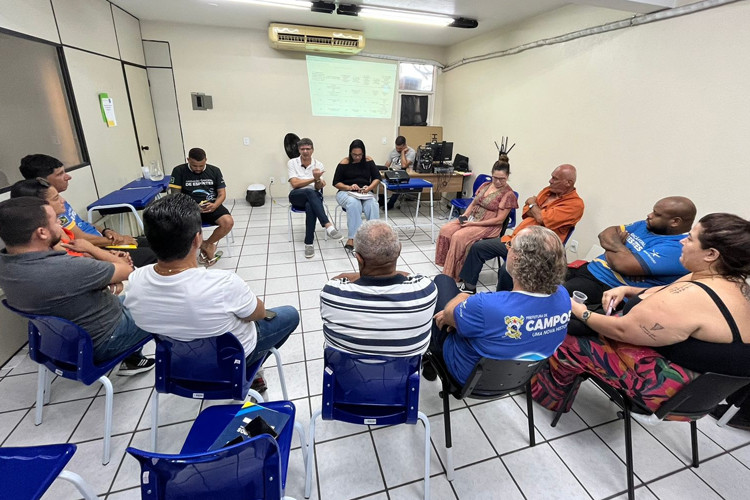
397 177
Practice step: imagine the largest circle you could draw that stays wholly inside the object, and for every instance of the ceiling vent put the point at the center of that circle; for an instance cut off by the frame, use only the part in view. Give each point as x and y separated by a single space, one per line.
315 39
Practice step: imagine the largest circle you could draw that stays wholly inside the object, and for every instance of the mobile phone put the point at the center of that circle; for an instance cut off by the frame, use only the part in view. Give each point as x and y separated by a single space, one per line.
270 315
462 219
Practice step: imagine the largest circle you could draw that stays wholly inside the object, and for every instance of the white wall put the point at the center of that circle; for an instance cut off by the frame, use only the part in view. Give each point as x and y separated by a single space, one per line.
92 47
657 110
260 93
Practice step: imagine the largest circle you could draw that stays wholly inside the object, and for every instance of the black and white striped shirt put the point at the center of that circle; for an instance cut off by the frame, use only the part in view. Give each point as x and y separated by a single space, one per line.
391 316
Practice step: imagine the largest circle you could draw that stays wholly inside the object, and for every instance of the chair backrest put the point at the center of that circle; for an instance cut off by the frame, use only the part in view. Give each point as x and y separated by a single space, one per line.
481 179
251 469
370 389
492 378
702 395
28 471
570 233
206 368
62 346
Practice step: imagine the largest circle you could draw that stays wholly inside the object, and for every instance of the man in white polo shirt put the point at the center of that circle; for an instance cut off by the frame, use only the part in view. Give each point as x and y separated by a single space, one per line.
306 178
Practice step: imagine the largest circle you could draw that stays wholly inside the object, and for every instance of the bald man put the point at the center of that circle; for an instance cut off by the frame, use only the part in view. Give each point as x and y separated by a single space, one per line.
644 254
557 207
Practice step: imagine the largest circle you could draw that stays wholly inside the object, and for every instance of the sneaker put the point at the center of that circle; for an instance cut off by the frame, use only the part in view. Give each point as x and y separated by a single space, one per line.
464 288
309 251
259 384
334 233
135 366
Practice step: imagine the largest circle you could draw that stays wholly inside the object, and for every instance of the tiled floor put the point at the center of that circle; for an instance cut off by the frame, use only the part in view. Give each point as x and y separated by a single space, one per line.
580 458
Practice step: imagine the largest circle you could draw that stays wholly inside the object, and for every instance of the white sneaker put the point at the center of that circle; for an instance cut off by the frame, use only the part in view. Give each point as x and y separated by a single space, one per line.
334 233
309 251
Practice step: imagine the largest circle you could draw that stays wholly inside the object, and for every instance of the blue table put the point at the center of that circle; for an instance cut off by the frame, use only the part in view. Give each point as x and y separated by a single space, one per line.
142 182
413 185
125 200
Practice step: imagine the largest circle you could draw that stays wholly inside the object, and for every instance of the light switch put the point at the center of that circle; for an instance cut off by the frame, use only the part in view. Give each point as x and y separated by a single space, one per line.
246 141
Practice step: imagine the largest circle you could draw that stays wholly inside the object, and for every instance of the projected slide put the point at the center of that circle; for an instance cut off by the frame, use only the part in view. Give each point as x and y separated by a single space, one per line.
357 89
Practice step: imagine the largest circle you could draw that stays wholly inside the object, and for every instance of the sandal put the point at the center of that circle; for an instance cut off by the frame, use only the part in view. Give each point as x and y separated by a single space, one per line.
349 248
217 256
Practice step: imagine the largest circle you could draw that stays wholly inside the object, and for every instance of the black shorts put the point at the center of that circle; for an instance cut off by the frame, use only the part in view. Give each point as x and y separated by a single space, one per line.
212 217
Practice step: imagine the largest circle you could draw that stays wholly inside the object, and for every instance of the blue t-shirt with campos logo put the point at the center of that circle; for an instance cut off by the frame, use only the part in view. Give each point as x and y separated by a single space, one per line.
658 255
506 325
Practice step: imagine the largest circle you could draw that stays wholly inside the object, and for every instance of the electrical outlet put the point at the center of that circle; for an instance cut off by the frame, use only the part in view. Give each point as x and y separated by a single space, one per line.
573 246
271 180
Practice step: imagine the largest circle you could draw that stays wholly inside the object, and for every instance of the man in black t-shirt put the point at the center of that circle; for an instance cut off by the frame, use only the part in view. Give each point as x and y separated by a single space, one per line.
205 184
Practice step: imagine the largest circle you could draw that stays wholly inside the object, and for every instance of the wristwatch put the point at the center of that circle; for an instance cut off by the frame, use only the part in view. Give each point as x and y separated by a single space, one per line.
585 316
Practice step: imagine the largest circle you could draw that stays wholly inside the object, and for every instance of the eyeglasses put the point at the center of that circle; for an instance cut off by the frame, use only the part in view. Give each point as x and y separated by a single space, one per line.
507 244
499 178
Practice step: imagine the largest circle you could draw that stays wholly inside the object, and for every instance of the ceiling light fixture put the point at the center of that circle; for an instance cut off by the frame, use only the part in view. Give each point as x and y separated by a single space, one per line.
405 16
291 4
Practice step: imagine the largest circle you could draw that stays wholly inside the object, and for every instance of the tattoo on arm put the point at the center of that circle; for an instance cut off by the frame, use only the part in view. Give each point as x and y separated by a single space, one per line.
648 332
656 326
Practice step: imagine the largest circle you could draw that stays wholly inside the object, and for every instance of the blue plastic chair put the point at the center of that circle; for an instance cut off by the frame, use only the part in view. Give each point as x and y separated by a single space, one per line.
370 390
29 471
208 368
463 203
65 348
255 468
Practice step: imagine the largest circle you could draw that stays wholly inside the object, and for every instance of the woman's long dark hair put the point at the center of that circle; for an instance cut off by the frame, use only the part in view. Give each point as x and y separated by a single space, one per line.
357 144
729 234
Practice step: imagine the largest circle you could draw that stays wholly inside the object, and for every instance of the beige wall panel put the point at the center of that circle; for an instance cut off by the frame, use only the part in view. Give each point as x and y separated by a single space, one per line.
128 36
30 17
87 24
643 113
260 93
113 150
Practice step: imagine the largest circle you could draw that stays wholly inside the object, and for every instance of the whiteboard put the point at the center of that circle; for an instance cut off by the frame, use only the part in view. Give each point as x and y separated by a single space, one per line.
345 88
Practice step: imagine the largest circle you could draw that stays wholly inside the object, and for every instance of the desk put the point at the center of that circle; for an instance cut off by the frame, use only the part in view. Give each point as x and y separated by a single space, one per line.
418 185
142 182
443 183
123 201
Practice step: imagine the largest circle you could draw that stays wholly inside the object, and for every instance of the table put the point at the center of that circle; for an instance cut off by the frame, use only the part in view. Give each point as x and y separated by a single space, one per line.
123 201
443 183
414 184
142 182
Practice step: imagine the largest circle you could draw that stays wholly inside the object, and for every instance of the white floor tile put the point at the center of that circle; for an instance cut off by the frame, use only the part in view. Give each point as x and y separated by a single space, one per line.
342 459
313 344
727 476
469 442
59 422
486 479
556 481
8 422
281 285
17 392
127 408
505 424
406 442
309 299
684 485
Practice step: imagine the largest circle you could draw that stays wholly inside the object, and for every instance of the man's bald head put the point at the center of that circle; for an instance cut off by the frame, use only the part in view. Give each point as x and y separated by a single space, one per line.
672 215
563 179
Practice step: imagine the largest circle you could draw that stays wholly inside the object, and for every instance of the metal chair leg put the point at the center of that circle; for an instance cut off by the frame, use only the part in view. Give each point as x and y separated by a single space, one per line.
694 442
310 453
448 438
629 450
87 492
108 398
530 414
41 375
280 369
426 423
154 420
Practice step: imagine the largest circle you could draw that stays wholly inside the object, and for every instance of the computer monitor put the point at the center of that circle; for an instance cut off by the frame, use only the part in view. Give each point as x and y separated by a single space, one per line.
441 151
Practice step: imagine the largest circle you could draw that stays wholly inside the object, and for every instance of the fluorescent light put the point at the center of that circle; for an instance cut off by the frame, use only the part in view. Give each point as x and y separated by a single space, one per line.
291 4
405 16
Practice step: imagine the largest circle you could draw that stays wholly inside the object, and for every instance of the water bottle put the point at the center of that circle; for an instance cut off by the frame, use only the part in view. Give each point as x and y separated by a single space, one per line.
155 171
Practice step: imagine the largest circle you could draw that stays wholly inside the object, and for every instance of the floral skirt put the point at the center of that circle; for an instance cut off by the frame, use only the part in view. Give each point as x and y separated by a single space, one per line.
645 375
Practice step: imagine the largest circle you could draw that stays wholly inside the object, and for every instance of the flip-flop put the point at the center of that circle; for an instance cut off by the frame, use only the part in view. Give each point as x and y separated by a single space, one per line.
202 259
349 248
217 256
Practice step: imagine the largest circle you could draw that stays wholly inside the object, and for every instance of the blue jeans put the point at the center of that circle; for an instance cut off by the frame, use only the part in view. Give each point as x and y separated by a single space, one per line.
354 209
273 333
125 335
311 201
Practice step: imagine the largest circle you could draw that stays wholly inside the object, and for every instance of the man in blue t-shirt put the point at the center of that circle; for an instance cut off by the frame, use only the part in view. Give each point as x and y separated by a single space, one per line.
53 171
644 253
527 323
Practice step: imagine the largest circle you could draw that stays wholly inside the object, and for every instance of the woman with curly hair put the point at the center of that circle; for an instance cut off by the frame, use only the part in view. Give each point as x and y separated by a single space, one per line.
483 218
527 323
667 335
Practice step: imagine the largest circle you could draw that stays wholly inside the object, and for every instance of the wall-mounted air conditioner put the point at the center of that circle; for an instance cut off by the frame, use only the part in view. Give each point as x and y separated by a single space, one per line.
315 39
